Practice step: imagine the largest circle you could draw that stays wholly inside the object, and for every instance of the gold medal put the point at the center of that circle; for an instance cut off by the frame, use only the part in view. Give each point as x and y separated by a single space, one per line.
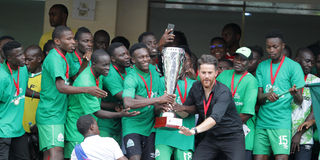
16 102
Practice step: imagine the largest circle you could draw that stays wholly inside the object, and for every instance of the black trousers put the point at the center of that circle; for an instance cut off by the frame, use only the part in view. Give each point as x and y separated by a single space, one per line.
14 148
231 145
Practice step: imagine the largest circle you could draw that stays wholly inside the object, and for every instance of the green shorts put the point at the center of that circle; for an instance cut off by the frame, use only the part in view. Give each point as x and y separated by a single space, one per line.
116 137
68 148
277 140
164 152
50 136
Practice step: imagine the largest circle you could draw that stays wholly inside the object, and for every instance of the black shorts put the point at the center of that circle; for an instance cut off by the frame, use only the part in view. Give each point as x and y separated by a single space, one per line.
136 144
14 148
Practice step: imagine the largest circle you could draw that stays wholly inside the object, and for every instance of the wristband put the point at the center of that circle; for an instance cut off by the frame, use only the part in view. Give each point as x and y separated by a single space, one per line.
195 130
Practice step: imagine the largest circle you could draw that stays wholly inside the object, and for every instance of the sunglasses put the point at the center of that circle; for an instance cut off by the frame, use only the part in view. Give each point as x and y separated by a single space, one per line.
216 46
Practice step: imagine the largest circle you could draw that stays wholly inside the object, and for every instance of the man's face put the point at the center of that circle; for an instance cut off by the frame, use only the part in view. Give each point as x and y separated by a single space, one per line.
318 64
16 57
274 47
151 42
66 41
218 49
121 57
223 65
32 59
95 128
207 73
56 17
306 61
141 59
102 65
85 42
100 42
229 36
240 64
253 63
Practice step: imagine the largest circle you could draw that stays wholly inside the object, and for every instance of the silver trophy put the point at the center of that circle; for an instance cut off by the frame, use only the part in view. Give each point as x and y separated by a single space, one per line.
172 58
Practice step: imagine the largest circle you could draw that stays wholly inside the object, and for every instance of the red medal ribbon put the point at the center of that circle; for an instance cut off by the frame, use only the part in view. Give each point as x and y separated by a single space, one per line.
145 83
97 79
232 83
80 61
206 105
67 72
305 79
15 83
183 99
274 78
115 67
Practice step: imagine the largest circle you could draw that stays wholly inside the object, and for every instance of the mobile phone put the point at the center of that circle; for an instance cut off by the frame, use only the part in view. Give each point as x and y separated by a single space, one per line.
170 26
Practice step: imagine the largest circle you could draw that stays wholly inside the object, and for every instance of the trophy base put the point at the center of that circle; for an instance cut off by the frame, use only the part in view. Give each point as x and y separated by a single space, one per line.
168 122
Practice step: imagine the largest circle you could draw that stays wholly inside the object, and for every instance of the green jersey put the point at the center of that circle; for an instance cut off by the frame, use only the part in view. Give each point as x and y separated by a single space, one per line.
52 107
245 98
277 115
134 85
74 63
172 137
11 114
301 112
81 104
113 84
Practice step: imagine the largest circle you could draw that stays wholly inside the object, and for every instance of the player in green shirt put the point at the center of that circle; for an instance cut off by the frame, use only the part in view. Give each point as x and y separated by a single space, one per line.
79 59
52 107
144 82
113 84
14 79
83 104
169 141
244 89
275 76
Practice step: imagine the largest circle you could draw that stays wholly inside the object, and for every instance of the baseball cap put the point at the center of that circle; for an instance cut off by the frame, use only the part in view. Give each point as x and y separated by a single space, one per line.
244 52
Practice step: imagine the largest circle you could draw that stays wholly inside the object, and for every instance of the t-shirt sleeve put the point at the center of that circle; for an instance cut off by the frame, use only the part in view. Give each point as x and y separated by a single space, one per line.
130 86
117 150
250 98
56 69
297 76
4 95
190 98
259 76
114 86
90 104
220 107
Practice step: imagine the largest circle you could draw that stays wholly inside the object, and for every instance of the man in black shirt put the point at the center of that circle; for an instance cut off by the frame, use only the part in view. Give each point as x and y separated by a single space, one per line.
218 118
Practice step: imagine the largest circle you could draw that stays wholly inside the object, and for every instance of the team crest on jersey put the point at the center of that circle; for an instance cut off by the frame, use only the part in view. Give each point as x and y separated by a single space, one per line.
60 137
156 153
130 143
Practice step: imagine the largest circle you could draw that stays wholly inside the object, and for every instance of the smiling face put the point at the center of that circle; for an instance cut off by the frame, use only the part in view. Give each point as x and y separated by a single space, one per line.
240 64
102 65
141 59
218 49
121 57
274 47
306 60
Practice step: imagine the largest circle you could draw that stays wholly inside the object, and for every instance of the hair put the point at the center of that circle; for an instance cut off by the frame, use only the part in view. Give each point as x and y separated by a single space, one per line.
35 47
122 40
208 59
235 27
217 39
48 46
58 31
180 38
275 34
84 123
113 46
286 47
192 56
8 47
97 54
230 63
80 31
6 37
257 49
102 33
142 35
300 51
61 7
137 46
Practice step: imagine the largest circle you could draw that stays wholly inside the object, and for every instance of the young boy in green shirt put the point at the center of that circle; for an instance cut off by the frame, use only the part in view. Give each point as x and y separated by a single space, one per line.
275 76
144 82
244 90
52 107
83 104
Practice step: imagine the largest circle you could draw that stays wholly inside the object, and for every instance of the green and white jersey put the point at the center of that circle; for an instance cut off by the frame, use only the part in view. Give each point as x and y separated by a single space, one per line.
11 115
81 104
52 107
133 85
113 84
300 113
245 99
277 115
172 137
